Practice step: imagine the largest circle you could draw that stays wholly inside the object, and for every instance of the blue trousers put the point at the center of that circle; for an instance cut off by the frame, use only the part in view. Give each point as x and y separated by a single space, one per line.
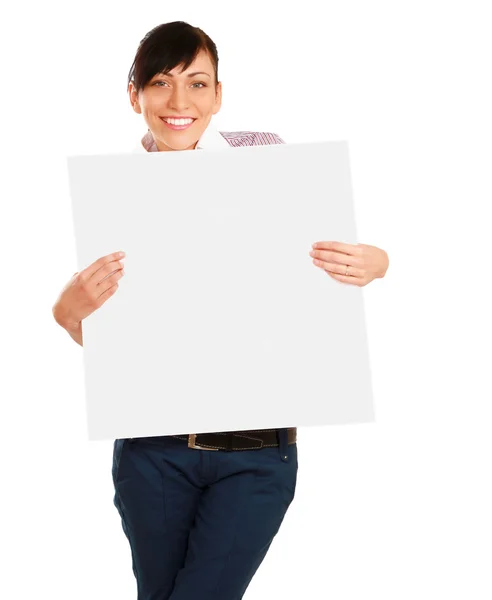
200 522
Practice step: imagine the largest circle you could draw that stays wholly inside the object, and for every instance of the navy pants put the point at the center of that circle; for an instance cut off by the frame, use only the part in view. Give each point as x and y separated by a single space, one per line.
200 522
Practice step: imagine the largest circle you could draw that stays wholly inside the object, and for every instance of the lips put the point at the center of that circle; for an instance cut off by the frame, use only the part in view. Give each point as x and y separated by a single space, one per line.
177 127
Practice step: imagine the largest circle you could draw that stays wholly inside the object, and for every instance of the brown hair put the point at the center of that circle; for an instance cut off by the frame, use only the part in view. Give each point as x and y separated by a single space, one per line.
167 46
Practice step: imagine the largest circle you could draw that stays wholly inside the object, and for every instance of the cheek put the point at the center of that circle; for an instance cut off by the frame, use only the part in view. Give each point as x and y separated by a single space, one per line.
153 104
206 105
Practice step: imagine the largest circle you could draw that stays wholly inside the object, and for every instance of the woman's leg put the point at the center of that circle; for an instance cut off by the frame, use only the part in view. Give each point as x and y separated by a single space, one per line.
157 490
238 515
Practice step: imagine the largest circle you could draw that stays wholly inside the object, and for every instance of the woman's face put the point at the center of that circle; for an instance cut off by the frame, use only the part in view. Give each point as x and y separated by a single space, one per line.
186 94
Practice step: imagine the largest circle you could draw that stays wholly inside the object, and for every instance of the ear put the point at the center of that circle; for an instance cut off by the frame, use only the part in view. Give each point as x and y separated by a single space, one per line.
132 93
218 98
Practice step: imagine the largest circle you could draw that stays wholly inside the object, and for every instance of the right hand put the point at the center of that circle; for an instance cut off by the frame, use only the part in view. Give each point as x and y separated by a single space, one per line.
88 290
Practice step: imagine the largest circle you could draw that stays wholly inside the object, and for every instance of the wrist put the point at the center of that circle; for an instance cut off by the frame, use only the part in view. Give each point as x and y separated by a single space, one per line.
62 320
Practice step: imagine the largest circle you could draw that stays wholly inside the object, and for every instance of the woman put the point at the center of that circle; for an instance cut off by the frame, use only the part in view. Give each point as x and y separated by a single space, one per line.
200 512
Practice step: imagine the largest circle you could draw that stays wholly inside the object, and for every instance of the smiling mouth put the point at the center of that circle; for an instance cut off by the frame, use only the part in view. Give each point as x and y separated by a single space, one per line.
177 127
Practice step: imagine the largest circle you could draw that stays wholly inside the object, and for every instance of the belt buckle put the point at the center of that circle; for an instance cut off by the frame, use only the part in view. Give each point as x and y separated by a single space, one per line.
192 443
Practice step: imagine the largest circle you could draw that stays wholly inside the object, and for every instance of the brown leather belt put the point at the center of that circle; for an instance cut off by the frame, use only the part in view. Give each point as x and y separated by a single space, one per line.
237 440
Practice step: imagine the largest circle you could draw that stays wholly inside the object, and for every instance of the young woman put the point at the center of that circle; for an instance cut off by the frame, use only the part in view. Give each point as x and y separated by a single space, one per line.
199 511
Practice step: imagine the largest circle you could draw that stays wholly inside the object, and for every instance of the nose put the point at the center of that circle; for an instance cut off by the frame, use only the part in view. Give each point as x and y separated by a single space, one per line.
179 100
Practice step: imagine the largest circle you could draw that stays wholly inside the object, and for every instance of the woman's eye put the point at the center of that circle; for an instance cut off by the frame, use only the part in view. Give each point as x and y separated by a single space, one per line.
157 83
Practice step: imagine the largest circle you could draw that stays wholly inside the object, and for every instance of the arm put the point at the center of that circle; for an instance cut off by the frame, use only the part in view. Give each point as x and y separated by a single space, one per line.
75 330
76 334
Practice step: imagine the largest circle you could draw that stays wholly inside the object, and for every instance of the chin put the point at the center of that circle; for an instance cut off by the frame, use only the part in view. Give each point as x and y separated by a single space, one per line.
176 145
183 146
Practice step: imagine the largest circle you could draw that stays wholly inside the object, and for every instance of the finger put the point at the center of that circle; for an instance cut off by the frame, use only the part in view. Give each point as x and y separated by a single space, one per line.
102 267
108 283
339 269
352 280
108 272
336 257
337 247
106 294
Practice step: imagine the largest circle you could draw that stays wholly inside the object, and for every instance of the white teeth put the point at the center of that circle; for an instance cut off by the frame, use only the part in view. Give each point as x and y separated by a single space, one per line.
179 122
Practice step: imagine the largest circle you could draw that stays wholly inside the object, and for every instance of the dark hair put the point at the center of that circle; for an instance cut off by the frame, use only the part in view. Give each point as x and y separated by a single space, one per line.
167 46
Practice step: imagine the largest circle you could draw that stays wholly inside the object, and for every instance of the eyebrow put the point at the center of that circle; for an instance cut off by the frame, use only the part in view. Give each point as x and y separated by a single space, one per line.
189 75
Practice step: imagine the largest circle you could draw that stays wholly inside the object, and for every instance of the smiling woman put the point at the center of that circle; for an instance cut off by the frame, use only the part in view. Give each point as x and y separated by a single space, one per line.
200 511
174 84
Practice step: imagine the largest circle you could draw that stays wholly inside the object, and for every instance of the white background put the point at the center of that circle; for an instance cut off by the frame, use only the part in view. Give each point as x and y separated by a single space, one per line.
395 509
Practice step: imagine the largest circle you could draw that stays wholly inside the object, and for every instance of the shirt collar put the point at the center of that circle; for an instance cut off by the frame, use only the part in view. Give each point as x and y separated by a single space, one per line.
211 139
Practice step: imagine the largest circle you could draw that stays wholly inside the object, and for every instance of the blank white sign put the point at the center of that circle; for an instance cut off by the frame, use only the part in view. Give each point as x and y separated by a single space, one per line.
221 322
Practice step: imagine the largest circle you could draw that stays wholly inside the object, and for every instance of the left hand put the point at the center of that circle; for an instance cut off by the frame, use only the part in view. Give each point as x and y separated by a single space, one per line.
365 263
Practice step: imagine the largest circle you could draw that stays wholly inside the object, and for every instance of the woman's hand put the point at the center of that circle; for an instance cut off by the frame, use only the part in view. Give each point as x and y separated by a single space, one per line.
365 263
88 290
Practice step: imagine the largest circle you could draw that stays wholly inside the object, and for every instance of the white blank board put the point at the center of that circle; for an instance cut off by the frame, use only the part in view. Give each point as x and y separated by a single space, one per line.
221 322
